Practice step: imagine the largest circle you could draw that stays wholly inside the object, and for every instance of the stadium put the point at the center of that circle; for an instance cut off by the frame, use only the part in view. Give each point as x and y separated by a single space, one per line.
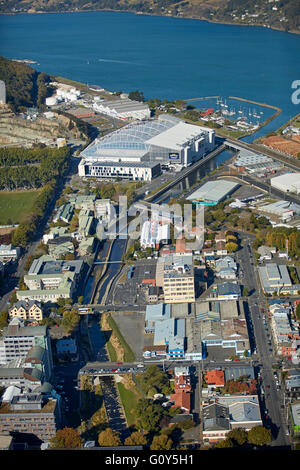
140 149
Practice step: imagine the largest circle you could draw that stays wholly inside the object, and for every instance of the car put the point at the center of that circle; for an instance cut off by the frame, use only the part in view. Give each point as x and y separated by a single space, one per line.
140 365
119 363
113 370
236 360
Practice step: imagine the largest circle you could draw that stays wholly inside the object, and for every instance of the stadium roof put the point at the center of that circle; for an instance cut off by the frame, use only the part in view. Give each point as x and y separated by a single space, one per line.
177 136
134 136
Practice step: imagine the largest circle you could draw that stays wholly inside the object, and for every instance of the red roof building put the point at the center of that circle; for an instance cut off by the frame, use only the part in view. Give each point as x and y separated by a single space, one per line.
182 400
215 377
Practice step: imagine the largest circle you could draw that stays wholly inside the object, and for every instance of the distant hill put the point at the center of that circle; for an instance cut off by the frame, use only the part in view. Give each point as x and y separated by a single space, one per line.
25 87
278 14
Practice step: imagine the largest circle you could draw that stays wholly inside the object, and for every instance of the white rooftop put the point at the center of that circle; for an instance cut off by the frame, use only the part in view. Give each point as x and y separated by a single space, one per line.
177 136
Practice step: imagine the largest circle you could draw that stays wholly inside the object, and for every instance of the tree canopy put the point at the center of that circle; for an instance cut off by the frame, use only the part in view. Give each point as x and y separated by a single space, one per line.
67 438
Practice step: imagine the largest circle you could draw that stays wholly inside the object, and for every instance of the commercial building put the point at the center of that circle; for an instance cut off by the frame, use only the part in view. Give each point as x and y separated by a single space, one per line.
137 151
230 412
213 192
49 279
227 291
153 234
172 333
289 183
156 313
274 278
9 253
30 413
175 274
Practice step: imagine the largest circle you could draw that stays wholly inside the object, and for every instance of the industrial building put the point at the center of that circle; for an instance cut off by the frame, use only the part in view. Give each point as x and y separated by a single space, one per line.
213 192
123 108
289 183
139 150
254 162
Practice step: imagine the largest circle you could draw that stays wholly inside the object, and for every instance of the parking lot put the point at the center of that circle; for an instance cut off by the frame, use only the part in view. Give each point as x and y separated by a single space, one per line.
131 291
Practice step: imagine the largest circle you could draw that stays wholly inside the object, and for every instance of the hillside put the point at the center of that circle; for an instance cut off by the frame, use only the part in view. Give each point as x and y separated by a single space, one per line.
25 87
278 14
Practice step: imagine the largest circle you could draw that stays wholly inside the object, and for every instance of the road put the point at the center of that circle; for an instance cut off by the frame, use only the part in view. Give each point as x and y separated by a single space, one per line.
256 300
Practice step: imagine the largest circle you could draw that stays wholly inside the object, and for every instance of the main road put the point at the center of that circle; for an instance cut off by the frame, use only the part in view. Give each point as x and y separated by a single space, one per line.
257 301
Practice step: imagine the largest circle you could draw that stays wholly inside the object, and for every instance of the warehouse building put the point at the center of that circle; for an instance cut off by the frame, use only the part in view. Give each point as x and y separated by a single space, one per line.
138 151
123 108
213 192
289 183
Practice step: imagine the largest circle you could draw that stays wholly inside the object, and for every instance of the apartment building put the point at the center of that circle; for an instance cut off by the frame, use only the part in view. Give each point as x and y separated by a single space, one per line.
30 342
30 310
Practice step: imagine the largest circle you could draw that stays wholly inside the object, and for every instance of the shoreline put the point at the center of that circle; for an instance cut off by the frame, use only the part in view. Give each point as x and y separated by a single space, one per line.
153 14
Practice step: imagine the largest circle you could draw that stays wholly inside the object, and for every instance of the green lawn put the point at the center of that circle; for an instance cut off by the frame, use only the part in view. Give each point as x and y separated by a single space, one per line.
15 205
129 356
129 402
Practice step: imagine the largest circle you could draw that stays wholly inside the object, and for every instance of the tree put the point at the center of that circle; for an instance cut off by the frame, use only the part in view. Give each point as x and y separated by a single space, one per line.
245 292
149 415
161 443
136 96
238 436
136 439
70 320
259 436
3 319
224 444
231 247
109 438
67 438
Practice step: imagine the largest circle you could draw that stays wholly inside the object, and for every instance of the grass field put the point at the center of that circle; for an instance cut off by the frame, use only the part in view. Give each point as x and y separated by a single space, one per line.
15 205
129 401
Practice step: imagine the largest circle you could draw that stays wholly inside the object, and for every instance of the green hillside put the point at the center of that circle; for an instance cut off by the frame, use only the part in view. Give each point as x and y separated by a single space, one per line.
25 87
279 14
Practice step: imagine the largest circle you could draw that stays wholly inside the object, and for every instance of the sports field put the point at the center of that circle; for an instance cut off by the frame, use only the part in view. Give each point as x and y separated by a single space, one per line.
15 205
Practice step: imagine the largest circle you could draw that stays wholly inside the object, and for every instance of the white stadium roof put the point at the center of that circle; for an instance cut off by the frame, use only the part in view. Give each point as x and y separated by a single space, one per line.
177 136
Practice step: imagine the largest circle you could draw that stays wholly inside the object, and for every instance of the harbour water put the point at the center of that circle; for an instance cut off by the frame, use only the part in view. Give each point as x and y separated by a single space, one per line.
162 56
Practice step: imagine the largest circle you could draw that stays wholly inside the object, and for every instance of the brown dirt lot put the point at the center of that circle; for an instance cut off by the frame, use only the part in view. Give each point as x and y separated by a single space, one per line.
290 147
